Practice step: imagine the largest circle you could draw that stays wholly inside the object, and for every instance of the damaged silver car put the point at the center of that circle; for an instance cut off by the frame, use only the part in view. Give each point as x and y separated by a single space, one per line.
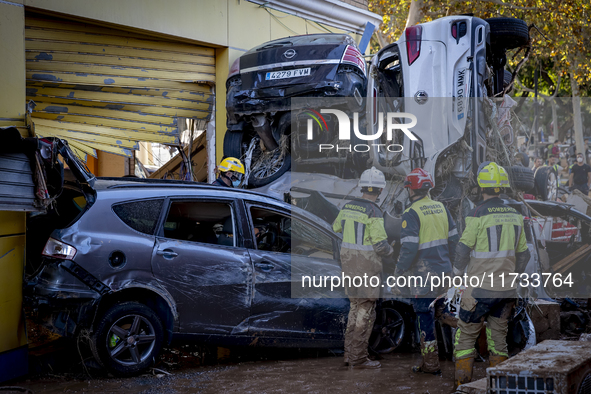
141 262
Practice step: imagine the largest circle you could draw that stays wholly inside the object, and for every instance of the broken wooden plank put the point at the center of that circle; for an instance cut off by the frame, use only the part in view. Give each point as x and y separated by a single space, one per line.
573 258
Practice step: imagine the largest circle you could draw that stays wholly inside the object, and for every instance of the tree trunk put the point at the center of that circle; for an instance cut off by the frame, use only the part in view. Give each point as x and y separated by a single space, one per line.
554 120
382 39
578 120
415 14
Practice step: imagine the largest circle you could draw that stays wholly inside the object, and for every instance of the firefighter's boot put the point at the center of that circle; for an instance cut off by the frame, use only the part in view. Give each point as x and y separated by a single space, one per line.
430 356
367 364
464 370
496 360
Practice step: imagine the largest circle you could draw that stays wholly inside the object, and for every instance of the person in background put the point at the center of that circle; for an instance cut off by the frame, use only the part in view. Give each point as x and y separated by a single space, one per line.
231 173
572 153
538 162
553 162
556 148
580 176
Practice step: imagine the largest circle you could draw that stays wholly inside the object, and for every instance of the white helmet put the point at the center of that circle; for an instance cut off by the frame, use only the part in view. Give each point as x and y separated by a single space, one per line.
372 178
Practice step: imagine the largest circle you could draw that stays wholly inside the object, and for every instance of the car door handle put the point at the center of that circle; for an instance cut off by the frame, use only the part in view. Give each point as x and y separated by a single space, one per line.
167 253
265 267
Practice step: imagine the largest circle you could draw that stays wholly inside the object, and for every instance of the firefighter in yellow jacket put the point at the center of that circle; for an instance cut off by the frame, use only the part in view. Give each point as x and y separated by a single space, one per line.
364 244
493 244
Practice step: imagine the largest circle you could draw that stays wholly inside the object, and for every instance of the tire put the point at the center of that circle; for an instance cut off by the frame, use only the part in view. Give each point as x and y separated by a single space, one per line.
508 33
389 331
546 187
507 80
523 159
451 194
521 178
133 357
264 176
274 163
233 144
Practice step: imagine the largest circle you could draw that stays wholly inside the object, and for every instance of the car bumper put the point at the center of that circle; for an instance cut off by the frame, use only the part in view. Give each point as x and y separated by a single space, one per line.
60 301
271 99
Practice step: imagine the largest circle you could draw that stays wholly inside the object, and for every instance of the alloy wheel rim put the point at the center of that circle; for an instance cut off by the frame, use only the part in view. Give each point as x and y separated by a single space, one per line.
131 340
390 332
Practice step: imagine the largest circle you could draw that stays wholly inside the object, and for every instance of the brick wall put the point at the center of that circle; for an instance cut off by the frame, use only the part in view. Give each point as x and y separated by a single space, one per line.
357 3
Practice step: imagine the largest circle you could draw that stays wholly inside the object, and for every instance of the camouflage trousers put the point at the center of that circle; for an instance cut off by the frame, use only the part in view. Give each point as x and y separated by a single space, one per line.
362 316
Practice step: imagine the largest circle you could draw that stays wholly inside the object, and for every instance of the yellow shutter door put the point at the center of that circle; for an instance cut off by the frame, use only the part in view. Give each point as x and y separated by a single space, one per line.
107 89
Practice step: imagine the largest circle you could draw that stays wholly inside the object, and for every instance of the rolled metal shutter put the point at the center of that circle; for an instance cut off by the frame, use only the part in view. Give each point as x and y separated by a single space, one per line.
108 89
17 189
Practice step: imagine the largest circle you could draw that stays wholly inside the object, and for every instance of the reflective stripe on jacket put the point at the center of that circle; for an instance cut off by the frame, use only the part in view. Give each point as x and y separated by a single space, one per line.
494 234
428 234
362 224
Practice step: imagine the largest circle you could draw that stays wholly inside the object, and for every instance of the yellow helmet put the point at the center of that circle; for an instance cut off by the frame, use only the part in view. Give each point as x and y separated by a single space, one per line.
231 164
490 174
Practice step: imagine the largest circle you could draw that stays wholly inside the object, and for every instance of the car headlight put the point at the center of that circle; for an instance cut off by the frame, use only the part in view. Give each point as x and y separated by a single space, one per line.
58 250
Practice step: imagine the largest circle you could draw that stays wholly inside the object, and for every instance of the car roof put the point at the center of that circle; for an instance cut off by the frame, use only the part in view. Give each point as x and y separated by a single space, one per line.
308 39
138 188
550 204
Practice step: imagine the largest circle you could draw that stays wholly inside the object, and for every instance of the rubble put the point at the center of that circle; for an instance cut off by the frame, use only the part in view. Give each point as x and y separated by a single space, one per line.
476 387
545 316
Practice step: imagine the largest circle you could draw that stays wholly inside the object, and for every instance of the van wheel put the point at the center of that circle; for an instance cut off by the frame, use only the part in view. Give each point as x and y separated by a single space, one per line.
507 80
508 33
127 339
546 184
521 178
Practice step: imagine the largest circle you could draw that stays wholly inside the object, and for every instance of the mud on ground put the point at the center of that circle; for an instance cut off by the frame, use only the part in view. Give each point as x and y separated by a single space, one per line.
194 368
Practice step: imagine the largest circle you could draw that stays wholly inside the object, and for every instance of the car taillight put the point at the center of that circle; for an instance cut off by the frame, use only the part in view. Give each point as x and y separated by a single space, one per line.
235 69
353 56
458 30
58 250
413 42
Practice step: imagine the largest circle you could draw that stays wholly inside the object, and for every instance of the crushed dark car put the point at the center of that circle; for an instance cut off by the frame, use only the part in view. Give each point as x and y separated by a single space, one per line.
262 82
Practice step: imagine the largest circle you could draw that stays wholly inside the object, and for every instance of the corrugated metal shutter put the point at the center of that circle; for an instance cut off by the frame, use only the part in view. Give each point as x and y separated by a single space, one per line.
107 89
17 190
